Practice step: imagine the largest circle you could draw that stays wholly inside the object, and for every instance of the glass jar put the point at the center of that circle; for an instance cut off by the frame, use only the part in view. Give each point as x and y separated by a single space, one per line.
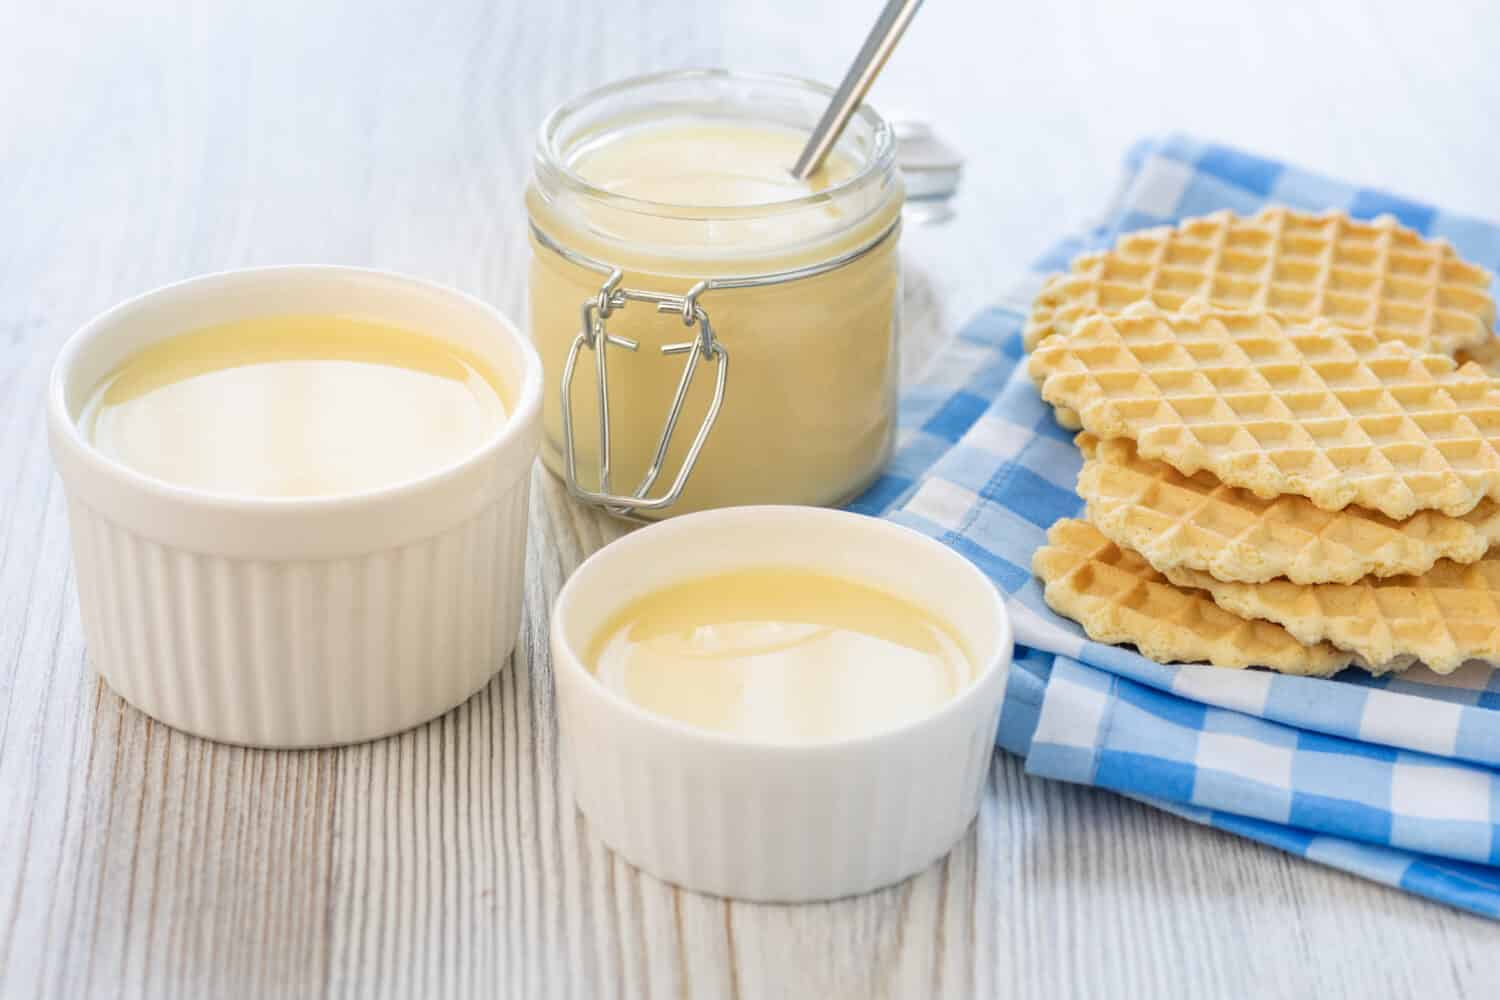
638 305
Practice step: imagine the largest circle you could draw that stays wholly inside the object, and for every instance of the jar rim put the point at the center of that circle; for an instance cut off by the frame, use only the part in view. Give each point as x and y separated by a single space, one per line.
551 156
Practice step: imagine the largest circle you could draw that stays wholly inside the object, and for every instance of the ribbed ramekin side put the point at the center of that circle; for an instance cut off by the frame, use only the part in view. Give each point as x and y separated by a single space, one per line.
769 823
302 652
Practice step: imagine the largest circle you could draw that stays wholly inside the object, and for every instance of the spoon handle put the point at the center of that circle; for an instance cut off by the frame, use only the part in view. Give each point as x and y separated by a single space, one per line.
867 65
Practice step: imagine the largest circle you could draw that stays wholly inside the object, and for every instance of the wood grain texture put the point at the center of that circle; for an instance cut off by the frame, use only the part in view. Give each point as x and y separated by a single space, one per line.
144 145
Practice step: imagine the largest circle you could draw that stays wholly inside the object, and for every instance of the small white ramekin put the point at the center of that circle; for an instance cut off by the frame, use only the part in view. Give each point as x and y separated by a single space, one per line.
758 821
299 622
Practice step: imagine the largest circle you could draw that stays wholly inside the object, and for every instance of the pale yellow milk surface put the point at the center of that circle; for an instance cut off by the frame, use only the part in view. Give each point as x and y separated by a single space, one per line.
708 164
294 406
781 655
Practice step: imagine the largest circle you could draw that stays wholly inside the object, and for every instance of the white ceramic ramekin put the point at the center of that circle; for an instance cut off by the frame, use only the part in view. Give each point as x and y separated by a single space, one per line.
758 821
299 622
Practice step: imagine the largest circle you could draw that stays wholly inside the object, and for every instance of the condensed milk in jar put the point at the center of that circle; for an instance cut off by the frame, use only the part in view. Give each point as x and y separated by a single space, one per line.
714 332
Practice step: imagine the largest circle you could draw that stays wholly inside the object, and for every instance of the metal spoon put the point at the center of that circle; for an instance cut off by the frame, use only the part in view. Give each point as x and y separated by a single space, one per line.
867 65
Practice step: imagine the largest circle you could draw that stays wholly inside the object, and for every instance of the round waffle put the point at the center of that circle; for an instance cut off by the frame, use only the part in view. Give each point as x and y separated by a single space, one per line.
1197 522
1377 276
1282 407
1444 617
1118 598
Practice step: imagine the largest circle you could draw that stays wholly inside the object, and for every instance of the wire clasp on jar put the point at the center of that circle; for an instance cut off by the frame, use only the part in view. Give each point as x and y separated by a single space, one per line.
594 335
705 348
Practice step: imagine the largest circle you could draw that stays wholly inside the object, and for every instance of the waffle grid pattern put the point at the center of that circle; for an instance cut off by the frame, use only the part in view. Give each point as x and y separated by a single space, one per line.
1312 410
1373 275
1197 522
1444 617
1117 597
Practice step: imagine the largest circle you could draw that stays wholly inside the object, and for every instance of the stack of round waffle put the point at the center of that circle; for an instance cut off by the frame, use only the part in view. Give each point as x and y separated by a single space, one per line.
1286 467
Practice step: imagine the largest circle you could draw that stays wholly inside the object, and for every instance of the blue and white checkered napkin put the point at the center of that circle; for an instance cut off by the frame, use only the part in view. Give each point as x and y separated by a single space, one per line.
1392 778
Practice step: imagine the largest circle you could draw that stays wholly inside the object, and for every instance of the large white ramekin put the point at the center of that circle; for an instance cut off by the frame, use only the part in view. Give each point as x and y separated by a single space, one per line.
757 821
299 622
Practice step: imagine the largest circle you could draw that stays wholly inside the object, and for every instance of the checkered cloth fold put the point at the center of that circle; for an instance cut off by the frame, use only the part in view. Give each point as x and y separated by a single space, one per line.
1394 778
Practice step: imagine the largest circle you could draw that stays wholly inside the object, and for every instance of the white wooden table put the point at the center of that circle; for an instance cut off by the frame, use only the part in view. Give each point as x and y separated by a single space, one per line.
137 148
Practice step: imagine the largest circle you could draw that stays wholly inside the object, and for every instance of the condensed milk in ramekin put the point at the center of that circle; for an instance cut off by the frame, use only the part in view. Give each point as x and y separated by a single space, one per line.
261 564
714 331
782 788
